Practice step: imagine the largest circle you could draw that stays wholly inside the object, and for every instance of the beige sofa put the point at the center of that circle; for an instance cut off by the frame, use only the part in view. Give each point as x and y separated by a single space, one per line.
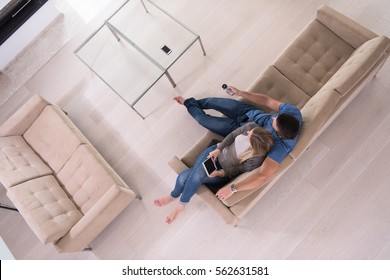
321 71
61 185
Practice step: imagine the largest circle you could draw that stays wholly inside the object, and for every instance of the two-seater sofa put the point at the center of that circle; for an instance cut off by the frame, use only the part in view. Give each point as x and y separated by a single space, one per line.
321 71
64 189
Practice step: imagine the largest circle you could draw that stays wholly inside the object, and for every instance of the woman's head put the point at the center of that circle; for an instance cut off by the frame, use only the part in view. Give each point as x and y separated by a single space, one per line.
261 140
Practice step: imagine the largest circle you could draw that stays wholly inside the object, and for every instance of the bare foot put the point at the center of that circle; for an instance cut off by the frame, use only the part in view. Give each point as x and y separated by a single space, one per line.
171 217
179 99
163 201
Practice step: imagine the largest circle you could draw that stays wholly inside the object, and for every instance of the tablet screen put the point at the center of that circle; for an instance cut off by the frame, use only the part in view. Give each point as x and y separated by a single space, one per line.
209 166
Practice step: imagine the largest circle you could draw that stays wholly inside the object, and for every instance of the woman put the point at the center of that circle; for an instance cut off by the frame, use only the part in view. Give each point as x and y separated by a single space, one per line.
241 151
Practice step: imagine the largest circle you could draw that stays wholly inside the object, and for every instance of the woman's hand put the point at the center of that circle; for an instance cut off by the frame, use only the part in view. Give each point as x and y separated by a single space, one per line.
214 154
217 173
224 193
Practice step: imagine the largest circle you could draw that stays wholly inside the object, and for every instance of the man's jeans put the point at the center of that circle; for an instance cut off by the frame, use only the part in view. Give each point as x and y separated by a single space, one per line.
235 112
189 181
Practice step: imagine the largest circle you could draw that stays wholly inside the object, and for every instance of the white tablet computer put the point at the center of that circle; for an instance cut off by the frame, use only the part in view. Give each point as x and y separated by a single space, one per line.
209 166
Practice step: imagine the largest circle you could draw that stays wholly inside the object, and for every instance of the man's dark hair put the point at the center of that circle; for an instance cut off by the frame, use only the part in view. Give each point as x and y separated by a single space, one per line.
288 126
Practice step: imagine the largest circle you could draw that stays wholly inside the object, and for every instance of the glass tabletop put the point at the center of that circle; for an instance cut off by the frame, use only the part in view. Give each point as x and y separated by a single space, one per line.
135 47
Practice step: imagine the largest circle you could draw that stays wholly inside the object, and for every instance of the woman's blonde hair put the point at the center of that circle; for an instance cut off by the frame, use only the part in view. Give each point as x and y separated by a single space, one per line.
261 141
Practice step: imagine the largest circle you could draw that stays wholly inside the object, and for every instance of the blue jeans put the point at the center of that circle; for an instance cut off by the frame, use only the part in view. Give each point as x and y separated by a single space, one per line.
234 111
189 181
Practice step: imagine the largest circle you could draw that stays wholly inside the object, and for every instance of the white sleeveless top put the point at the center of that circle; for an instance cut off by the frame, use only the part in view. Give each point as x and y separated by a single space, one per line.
241 144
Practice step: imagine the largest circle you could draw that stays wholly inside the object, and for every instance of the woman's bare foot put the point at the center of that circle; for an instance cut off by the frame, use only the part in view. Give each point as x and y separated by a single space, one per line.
171 217
163 201
179 99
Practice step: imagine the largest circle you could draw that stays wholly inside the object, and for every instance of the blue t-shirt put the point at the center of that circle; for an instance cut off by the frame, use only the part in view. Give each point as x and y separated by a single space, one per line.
281 147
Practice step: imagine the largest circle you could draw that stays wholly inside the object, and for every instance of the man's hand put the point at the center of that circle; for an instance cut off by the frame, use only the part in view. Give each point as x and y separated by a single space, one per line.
224 193
235 91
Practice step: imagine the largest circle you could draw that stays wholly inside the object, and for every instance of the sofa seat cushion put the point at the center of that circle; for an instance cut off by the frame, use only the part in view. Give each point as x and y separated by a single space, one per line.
45 207
86 178
18 162
53 137
314 56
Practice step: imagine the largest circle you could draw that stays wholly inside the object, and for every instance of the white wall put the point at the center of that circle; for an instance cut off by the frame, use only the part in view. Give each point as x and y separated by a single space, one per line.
27 33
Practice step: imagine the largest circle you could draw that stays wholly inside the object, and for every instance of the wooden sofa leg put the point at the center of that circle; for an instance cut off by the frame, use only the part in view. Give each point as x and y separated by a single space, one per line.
8 207
87 249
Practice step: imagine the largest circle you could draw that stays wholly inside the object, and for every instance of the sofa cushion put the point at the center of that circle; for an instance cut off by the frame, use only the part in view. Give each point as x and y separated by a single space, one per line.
52 137
18 162
85 178
359 64
313 57
45 207
272 83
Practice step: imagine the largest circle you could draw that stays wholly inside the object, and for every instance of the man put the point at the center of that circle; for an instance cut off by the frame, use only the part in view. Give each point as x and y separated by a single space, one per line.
284 125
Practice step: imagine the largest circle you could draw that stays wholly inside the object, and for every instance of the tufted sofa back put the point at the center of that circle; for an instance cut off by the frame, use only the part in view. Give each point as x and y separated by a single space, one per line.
313 57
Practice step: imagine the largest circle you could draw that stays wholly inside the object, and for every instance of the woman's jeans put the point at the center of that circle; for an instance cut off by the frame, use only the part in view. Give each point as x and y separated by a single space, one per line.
235 112
189 181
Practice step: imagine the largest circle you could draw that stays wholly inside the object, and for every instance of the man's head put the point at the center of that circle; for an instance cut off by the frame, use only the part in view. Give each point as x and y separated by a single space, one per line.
286 125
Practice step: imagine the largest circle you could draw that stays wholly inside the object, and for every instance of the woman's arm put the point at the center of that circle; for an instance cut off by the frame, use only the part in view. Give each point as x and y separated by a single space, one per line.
229 139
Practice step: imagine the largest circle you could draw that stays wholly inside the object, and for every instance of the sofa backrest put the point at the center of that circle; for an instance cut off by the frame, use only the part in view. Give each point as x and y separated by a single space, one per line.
52 136
22 118
313 57
315 113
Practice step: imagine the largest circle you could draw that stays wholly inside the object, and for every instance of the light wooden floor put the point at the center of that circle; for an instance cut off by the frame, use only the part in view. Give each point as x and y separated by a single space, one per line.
332 204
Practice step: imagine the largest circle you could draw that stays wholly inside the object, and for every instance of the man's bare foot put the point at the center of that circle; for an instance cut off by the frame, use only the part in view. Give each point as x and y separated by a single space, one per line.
163 201
179 99
171 217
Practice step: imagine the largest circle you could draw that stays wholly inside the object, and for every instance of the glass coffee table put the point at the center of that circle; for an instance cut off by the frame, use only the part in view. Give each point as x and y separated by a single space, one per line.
135 47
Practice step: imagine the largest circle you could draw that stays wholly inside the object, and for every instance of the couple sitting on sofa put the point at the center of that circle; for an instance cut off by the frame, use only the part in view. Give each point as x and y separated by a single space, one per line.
253 138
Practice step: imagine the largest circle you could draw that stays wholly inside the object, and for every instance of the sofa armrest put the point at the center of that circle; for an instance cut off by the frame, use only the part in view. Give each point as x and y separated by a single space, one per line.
24 117
344 27
207 140
207 195
177 165
96 219
217 205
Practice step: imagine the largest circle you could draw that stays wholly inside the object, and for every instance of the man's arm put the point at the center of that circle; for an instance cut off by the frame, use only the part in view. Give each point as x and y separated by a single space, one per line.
258 98
266 170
